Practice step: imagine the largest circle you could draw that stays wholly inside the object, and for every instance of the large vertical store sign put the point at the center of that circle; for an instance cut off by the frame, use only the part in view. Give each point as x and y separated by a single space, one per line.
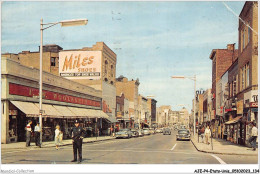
80 64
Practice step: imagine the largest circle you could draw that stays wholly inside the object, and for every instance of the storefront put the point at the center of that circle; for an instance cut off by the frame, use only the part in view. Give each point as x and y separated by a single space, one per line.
63 102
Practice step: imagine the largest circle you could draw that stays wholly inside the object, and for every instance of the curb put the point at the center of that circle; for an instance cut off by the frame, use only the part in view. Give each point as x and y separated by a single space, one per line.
53 145
204 151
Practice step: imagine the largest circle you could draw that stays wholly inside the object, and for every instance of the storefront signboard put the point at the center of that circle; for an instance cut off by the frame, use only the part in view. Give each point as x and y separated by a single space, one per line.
80 64
15 89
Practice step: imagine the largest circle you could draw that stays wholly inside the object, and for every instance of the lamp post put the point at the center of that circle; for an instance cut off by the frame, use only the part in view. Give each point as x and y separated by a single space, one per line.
194 79
67 23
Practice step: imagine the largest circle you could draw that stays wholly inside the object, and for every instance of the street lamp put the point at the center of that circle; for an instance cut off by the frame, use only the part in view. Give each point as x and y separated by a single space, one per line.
67 23
194 79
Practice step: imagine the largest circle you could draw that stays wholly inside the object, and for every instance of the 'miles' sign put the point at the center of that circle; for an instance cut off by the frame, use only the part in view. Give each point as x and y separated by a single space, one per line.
80 64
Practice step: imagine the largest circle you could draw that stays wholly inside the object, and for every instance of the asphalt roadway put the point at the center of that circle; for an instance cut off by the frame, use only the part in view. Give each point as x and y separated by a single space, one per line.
152 149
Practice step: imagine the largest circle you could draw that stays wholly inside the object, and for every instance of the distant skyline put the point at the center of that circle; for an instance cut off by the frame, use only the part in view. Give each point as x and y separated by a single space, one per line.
152 40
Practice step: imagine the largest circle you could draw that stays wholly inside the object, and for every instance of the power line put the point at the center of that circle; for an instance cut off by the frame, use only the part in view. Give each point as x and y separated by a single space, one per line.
239 18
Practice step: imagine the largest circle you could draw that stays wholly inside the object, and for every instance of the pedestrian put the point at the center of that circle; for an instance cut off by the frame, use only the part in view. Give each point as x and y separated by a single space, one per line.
28 133
202 131
37 132
207 135
77 138
253 137
57 137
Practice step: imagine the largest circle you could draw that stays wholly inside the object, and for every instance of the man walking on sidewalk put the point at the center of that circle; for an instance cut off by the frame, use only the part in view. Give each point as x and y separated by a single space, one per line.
28 133
252 140
207 134
37 131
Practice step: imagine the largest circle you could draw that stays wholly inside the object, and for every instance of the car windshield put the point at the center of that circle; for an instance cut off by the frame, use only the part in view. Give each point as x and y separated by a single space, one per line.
123 130
183 132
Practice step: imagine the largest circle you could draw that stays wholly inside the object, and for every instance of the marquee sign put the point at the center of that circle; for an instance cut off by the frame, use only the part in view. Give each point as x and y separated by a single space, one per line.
80 64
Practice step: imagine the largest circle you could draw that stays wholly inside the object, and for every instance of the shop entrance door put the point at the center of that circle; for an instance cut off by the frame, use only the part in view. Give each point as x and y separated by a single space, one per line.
21 124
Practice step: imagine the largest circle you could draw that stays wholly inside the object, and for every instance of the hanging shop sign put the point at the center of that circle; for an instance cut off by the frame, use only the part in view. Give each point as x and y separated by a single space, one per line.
15 89
80 64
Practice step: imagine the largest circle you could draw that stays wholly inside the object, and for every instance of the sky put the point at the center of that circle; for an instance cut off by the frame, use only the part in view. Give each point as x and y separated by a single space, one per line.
152 40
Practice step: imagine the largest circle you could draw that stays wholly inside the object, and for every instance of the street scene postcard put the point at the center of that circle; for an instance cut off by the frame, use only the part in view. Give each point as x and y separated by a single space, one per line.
129 87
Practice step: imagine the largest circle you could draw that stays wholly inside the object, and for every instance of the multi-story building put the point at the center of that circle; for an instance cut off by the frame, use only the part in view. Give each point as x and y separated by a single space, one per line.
207 106
247 95
95 67
163 115
91 66
184 117
152 111
221 61
130 90
63 101
143 111
199 106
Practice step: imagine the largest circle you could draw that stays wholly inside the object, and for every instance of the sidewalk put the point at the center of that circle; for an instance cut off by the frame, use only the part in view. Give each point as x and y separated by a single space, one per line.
21 145
222 147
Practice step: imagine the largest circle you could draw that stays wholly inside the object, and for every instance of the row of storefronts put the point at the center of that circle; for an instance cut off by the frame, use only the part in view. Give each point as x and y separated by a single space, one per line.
63 102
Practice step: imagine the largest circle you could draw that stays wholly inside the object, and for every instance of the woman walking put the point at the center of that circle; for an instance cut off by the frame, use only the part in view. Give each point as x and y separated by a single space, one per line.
57 136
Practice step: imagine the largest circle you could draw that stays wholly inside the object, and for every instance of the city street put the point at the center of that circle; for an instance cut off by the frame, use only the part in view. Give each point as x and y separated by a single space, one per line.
153 149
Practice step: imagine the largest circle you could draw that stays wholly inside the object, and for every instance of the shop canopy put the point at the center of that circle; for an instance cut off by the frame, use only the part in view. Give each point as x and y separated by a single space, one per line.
112 120
30 109
235 120
57 111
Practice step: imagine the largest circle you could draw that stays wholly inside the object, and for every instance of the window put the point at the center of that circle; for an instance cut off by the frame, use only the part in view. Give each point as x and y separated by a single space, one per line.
53 63
234 86
112 70
247 74
230 90
244 38
106 64
117 107
248 34
242 79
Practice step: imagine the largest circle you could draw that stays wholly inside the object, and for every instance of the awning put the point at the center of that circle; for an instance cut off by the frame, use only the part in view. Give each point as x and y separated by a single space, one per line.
49 110
64 111
27 107
112 120
235 120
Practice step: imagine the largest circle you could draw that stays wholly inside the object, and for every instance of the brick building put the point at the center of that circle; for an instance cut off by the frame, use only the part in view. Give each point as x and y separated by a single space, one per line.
247 95
130 90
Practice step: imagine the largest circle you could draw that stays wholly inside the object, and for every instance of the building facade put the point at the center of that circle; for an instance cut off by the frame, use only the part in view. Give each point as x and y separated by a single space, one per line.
130 90
247 95
63 102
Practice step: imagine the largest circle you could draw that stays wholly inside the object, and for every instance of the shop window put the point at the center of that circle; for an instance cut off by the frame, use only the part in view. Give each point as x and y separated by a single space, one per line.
53 63
12 126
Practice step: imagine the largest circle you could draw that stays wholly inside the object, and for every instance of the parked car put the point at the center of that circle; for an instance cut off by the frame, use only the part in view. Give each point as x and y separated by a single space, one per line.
140 132
146 131
124 133
159 130
183 134
167 131
182 127
135 133
152 131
